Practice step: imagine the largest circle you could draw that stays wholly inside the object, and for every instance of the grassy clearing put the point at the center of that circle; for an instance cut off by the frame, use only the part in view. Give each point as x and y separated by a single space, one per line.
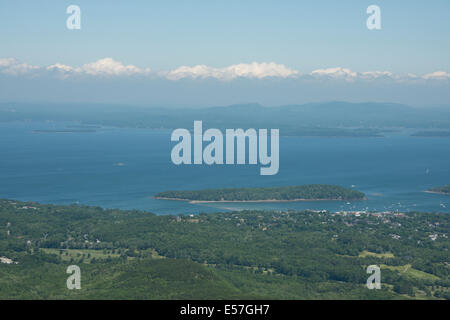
366 253
407 271
86 254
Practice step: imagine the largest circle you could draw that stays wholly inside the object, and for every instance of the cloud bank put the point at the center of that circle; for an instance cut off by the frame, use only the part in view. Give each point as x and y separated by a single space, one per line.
108 67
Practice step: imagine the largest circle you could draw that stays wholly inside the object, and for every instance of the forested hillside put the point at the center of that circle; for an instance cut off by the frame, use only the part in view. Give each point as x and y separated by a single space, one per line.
238 255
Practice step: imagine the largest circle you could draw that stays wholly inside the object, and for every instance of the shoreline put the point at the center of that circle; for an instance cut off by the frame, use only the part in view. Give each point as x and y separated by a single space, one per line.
251 201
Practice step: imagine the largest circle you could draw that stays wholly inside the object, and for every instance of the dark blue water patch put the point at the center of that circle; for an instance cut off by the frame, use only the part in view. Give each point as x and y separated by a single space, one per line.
124 168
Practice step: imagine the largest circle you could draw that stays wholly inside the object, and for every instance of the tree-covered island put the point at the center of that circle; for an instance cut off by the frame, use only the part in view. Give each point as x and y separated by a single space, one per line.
311 192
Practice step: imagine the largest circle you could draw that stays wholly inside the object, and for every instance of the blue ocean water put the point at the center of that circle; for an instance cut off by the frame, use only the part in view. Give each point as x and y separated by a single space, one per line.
124 167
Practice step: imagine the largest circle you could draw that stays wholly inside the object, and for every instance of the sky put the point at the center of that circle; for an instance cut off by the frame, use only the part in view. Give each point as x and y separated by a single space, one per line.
208 52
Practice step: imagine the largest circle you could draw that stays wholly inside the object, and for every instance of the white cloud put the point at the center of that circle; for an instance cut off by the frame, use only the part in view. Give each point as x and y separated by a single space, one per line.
376 74
335 73
110 67
349 75
62 71
60 67
253 70
260 70
199 71
6 62
438 75
13 67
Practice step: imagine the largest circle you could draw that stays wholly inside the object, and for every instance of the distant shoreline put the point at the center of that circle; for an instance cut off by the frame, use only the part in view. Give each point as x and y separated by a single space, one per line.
65 131
253 201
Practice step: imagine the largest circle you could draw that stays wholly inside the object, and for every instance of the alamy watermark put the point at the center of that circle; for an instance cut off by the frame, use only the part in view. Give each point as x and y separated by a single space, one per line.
235 147
374 281
74 280
374 20
73 22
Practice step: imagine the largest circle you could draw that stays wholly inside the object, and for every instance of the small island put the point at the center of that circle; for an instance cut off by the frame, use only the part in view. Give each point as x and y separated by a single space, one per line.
312 192
440 190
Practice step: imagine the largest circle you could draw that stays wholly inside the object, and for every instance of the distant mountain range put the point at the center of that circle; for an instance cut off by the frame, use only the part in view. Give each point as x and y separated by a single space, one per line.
316 119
